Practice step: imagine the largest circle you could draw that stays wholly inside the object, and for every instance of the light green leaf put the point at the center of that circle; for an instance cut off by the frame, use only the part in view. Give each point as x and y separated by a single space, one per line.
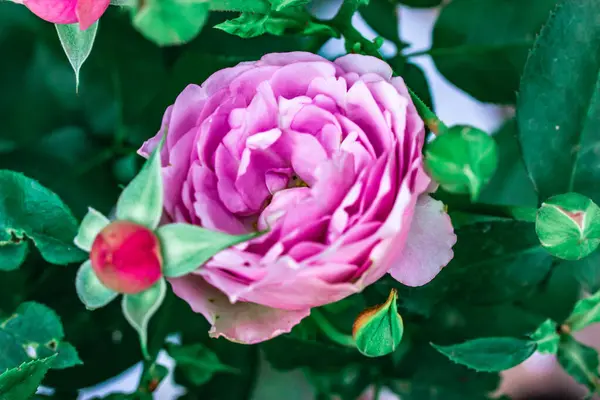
378 331
90 227
198 363
489 354
462 160
77 44
579 361
21 382
90 290
29 210
279 5
568 226
586 312
33 332
245 26
546 337
142 200
249 25
560 140
139 308
186 247
171 22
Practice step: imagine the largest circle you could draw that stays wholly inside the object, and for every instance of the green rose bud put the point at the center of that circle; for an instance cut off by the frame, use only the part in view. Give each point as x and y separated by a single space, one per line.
378 330
568 226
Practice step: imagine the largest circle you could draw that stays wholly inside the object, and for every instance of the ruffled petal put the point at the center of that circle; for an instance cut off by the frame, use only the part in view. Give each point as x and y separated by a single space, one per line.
246 323
429 244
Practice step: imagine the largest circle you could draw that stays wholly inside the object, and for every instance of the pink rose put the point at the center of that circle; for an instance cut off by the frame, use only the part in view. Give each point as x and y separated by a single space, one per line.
86 12
325 156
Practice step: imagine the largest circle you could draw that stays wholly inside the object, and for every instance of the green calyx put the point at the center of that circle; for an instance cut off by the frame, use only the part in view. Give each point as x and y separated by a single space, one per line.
378 331
568 226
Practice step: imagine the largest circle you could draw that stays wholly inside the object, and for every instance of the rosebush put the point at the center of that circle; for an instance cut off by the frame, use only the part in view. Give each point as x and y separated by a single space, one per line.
301 206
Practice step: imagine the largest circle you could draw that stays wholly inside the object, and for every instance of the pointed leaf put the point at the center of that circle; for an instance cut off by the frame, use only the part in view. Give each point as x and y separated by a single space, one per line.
560 139
198 363
568 226
139 308
92 224
90 290
489 354
462 160
546 337
186 248
34 331
142 200
22 382
377 331
579 361
29 210
77 44
171 22
586 312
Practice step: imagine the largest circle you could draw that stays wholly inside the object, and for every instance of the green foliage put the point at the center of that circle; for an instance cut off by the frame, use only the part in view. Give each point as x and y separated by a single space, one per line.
21 382
90 290
489 354
546 337
462 160
482 47
586 312
77 45
579 361
559 138
170 22
30 211
32 332
198 363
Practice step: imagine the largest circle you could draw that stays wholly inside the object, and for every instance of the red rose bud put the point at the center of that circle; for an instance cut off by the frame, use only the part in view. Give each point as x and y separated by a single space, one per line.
378 330
126 257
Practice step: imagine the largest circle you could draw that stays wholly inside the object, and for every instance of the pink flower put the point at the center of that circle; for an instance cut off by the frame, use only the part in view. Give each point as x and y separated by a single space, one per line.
86 12
324 155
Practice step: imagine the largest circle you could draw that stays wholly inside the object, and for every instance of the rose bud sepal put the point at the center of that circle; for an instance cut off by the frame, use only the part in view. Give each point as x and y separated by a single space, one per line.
568 226
378 330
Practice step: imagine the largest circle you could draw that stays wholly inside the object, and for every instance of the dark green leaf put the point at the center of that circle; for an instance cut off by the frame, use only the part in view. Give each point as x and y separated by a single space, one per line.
579 361
254 6
381 15
482 46
29 210
198 363
21 382
489 354
34 331
421 3
559 139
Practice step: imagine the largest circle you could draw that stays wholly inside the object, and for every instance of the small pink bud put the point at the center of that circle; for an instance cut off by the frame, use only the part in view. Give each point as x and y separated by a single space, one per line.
126 257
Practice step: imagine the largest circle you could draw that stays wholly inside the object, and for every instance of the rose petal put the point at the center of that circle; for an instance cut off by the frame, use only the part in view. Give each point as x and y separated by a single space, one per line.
90 11
365 64
429 245
55 11
241 322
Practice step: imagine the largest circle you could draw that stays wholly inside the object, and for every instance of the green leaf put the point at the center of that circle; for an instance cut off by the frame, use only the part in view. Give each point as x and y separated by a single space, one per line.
280 5
90 290
142 200
29 210
77 44
382 16
253 6
378 330
559 140
546 337
12 255
171 22
249 25
585 313
462 160
489 354
139 308
510 184
21 382
579 361
186 247
34 331
568 226
90 227
421 3
198 363
483 56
